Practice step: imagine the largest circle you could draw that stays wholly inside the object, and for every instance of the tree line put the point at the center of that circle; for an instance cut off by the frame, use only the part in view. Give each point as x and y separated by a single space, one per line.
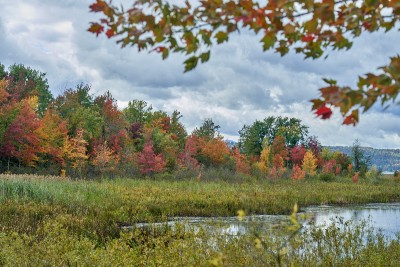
82 135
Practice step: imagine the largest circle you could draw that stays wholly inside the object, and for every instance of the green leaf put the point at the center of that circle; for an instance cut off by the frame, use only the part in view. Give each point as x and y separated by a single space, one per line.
165 53
329 81
268 41
311 25
205 36
371 2
221 37
205 57
191 63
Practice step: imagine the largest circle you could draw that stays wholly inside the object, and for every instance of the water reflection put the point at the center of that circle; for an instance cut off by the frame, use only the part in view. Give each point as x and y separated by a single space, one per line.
380 216
385 217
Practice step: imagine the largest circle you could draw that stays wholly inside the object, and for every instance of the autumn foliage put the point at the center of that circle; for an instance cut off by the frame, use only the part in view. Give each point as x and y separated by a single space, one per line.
149 162
215 151
309 163
297 154
298 173
77 134
104 158
241 163
23 139
75 150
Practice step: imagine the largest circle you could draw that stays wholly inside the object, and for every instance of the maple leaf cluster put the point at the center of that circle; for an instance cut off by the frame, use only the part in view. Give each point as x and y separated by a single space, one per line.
307 27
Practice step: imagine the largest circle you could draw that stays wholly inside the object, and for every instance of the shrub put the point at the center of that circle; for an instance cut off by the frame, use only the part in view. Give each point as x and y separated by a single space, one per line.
350 169
149 162
327 177
240 161
258 170
276 173
373 173
328 166
298 173
337 169
355 177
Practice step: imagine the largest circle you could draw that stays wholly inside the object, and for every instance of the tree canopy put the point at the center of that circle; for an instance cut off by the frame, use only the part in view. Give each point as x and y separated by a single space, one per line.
307 27
252 136
208 129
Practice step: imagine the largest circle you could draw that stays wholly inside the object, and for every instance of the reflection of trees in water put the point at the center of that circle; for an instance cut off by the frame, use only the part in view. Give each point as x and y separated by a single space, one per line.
359 215
385 216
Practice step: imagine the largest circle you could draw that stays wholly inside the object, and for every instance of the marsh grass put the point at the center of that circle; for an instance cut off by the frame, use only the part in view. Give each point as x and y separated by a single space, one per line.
81 220
141 199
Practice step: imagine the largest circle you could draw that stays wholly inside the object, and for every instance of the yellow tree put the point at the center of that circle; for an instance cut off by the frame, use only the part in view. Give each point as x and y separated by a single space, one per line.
104 158
309 163
54 135
3 93
74 151
265 157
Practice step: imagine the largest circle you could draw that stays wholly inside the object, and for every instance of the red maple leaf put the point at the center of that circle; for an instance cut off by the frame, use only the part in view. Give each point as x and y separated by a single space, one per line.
324 112
98 6
308 38
350 120
110 33
367 25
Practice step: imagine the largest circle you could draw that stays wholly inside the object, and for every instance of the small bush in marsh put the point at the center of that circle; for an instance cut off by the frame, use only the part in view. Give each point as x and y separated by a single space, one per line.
327 177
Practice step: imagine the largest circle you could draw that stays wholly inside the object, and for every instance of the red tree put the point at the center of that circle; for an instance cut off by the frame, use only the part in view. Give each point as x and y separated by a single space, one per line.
22 139
149 162
329 166
297 154
192 148
242 166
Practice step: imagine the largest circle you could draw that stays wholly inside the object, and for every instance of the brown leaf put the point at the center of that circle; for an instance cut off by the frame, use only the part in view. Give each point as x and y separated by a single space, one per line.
99 6
352 118
96 28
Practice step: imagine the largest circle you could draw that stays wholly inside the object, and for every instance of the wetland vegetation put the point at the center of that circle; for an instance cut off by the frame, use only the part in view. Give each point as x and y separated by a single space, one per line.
58 221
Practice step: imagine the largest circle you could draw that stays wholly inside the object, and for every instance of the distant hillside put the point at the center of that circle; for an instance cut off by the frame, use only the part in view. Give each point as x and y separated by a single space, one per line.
388 160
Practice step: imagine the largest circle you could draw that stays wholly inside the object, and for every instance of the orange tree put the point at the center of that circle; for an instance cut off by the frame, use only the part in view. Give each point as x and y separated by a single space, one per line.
308 27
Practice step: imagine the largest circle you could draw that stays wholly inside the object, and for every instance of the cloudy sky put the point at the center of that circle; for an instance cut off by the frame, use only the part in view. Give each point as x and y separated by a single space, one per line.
237 86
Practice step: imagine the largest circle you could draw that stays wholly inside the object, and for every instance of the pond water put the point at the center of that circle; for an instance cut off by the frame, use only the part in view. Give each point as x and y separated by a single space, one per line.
385 217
